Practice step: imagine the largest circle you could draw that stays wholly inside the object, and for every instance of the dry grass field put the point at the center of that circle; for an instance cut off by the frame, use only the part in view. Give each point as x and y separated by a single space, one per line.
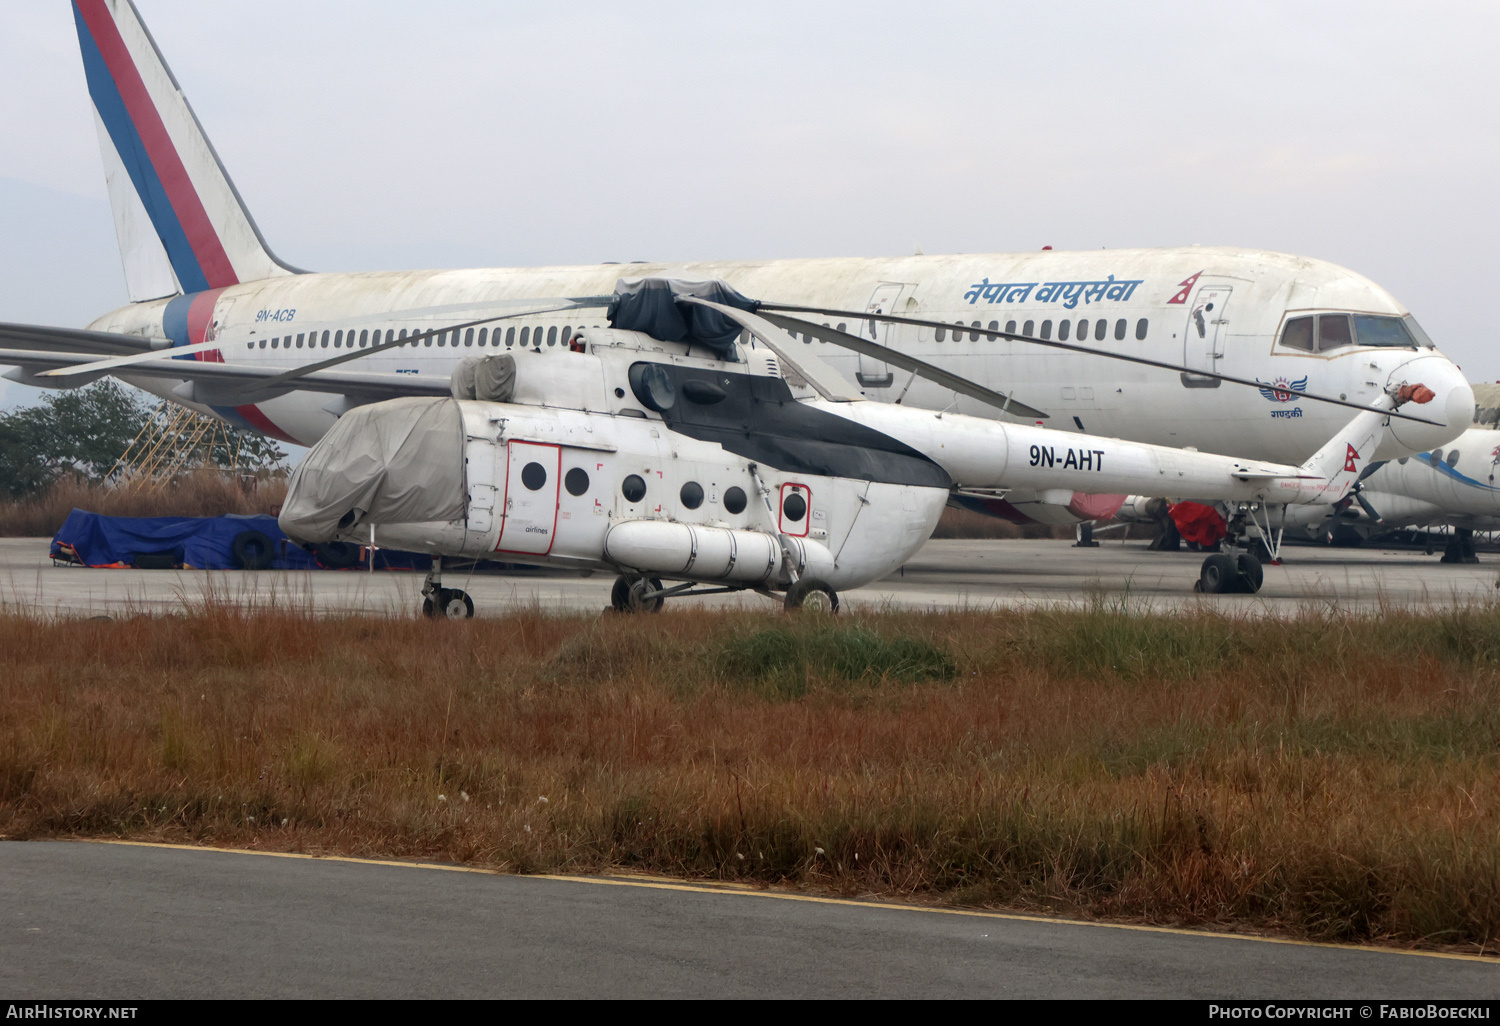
1325 777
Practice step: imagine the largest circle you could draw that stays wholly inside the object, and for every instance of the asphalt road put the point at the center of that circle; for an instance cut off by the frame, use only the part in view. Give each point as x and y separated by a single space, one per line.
978 574
82 920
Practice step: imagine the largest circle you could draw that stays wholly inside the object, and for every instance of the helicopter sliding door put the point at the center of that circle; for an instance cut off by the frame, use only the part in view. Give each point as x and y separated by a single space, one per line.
529 520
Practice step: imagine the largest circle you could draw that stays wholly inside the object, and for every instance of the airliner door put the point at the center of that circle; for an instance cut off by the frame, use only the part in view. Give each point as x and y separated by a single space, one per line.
533 474
875 373
1203 345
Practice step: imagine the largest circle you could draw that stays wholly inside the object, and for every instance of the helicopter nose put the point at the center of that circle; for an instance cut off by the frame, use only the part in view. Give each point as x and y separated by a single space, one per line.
1452 404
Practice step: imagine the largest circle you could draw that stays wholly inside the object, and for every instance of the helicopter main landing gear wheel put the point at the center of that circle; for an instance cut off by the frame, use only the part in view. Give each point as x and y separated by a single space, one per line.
1223 574
630 594
813 596
451 604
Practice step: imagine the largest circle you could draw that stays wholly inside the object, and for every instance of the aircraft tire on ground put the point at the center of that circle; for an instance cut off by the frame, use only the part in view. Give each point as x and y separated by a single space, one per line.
252 550
627 594
1219 575
812 595
1252 573
451 604
337 555
1260 550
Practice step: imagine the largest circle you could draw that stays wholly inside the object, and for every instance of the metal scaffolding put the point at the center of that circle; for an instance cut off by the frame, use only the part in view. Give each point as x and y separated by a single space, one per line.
174 440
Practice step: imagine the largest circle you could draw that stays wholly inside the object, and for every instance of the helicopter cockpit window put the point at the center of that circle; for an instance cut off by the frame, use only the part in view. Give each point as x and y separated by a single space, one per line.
653 386
1298 334
1333 332
1370 330
633 488
735 500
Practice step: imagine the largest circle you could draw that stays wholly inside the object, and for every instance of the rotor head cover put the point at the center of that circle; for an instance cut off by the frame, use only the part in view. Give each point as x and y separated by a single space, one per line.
650 305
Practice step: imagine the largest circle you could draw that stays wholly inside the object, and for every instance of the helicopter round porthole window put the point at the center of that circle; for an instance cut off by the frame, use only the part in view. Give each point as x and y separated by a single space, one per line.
795 507
534 476
577 481
692 495
633 488
734 500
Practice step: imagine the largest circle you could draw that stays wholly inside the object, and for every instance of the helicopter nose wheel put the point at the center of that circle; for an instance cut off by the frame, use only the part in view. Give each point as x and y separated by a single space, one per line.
629 595
813 596
451 604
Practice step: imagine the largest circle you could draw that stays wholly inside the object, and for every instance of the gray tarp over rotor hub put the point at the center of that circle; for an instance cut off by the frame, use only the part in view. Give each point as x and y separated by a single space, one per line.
396 462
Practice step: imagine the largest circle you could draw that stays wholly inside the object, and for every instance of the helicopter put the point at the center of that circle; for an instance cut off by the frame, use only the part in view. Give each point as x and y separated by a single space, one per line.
694 448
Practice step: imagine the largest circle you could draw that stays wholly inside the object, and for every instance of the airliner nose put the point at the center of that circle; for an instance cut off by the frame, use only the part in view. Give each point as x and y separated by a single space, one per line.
1453 404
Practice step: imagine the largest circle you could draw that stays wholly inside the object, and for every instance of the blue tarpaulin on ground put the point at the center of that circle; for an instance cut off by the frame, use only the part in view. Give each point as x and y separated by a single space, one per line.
202 543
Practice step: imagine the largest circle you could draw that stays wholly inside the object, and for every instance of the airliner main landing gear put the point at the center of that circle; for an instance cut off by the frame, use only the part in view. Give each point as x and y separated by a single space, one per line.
440 603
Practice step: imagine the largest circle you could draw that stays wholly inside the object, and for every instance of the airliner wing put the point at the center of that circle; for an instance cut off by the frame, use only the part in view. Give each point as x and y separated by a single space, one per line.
223 383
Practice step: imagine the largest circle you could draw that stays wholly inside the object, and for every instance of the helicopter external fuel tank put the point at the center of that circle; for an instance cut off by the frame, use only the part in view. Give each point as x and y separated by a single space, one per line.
712 553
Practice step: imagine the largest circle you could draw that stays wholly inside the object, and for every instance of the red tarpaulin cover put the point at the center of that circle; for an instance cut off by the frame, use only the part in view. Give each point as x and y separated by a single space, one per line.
1198 523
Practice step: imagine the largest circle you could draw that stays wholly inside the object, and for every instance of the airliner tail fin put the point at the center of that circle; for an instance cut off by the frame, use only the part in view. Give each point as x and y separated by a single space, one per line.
181 223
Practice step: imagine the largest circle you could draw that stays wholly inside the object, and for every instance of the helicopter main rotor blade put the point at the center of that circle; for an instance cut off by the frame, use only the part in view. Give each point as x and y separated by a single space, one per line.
896 358
1087 350
826 381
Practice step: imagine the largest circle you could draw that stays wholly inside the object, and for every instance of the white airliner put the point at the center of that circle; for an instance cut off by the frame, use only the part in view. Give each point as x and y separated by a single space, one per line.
246 327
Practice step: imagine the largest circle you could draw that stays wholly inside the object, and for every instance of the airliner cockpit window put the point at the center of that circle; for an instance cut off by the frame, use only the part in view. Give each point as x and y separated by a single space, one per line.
1333 332
1382 331
1298 334
1417 332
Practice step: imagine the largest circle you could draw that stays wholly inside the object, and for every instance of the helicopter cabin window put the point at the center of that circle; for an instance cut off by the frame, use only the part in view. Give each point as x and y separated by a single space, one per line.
576 481
1046 329
534 476
633 488
1382 331
940 335
1029 328
692 495
552 335
1334 332
735 500
1010 327
1298 334
1064 329
1141 327
1101 330
1120 327
795 506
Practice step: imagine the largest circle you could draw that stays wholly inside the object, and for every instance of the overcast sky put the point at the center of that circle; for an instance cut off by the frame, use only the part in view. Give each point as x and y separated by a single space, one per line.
383 135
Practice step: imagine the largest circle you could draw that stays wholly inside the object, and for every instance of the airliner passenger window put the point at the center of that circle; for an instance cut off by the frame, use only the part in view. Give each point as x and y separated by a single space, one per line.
552 335
338 340
567 334
273 342
994 327
364 339
1029 328
1010 327
469 337
484 334
525 337
510 338
1382 331
1333 332
428 340
1101 329
325 340
403 333
1064 329
940 335
262 343
1452 457
974 335
1141 327
1046 328
1120 326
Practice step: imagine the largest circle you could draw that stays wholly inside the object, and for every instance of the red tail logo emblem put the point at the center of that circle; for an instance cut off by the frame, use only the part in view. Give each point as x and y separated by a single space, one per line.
1349 458
1187 288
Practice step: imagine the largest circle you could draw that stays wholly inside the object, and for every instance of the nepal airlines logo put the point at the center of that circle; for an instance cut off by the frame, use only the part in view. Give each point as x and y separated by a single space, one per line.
1350 456
1281 390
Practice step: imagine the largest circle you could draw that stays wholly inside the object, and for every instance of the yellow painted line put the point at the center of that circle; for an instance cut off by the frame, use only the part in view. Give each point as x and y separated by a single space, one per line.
749 891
